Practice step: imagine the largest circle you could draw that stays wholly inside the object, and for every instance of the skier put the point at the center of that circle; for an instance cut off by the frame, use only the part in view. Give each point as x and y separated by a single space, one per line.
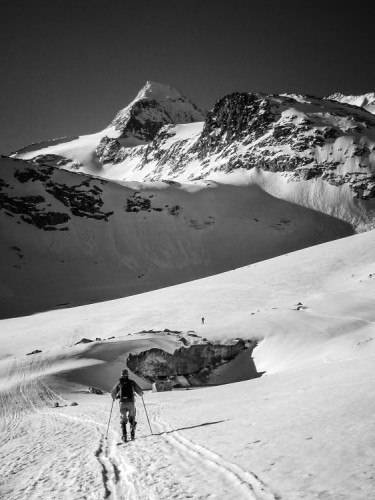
124 391
202 321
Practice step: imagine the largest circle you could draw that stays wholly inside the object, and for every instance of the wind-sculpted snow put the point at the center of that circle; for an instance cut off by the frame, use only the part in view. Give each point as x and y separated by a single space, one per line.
82 239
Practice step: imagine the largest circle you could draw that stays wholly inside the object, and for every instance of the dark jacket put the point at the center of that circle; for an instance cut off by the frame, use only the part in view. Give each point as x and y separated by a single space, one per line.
129 387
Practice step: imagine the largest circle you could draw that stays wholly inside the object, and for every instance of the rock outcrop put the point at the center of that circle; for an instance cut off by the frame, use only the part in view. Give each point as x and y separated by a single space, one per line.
188 366
162 386
155 105
83 199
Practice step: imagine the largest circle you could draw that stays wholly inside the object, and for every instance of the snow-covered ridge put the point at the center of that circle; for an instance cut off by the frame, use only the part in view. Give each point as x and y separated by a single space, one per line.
366 101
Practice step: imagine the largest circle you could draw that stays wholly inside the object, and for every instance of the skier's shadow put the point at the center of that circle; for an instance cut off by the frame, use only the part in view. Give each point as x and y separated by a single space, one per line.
186 428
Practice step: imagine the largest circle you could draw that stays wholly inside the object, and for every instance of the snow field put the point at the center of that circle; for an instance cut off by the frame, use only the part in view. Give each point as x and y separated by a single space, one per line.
300 434
305 430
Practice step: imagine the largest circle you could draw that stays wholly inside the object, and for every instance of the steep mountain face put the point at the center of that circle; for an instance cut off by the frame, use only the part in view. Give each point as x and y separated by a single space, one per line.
366 101
154 106
308 137
69 239
315 152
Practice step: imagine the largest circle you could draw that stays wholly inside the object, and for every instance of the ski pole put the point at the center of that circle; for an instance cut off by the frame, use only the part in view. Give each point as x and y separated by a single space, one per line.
146 414
109 418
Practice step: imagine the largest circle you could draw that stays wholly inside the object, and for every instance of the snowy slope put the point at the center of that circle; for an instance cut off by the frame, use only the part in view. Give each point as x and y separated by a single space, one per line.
334 282
304 430
97 240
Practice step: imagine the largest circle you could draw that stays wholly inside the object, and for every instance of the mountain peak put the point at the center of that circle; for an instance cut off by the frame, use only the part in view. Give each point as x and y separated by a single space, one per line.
155 105
158 91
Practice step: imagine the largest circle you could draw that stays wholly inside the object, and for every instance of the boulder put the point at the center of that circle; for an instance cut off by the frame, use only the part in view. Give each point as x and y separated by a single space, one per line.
34 352
94 390
161 386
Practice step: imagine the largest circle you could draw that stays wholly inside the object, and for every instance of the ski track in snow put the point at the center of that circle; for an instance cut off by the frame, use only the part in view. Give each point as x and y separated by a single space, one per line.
217 473
62 453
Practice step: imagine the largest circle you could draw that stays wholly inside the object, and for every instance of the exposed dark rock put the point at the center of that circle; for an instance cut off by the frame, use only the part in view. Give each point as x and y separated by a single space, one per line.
46 220
32 174
30 212
37 351
56 161
175 210
144 121
285 141
94 390
233 118
194 363
137 203
108 150
82 202
84 341
162 386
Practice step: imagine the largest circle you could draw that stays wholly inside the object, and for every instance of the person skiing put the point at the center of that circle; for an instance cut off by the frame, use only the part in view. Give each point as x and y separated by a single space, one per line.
124 391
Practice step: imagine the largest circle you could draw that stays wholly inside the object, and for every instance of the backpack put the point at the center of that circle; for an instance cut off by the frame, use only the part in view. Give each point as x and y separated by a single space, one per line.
126 389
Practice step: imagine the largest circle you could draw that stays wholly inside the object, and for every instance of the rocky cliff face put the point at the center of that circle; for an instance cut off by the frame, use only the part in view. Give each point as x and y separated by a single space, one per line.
155 105
193 365
304 136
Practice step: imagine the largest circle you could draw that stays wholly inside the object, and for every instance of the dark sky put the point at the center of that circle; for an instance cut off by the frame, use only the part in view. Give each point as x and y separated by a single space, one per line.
67 67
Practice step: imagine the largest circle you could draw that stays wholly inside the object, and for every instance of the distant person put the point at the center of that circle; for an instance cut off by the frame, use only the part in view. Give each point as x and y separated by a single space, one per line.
202 321
124 391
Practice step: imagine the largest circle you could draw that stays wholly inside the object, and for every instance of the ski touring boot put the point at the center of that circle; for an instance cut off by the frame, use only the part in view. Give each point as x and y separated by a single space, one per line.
132 431
124 436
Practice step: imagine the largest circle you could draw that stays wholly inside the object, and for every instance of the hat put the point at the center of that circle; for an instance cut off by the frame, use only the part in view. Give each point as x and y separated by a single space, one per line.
124 372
